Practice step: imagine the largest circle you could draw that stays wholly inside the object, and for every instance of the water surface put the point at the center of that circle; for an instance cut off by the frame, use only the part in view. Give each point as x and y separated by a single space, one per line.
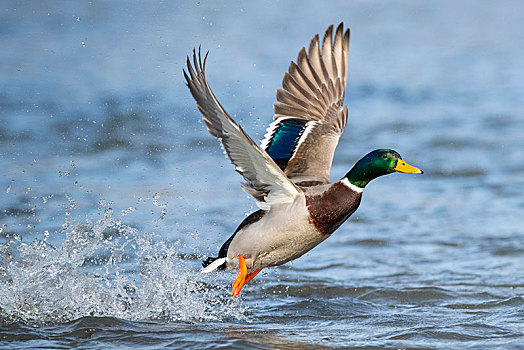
112 191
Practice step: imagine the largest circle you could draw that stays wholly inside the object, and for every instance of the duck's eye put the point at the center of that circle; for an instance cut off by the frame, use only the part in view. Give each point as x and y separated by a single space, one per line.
385 156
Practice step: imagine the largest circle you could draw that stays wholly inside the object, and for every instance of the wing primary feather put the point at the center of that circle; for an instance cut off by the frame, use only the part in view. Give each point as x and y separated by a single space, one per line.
315 57
345 51
338 52
306 71
297 73
264 179
313 89
313 61
327 53
290 84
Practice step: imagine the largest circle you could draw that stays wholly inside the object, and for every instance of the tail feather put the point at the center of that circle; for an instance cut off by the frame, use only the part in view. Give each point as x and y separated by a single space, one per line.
211 264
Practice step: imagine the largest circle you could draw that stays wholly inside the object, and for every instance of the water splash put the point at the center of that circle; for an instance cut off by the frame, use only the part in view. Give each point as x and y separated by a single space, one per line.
104 268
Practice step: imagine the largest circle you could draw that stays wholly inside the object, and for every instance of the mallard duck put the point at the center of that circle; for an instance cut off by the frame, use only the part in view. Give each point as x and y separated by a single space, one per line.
288 173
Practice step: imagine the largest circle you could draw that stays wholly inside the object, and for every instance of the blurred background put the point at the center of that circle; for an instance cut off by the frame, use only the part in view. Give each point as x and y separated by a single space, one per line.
96 124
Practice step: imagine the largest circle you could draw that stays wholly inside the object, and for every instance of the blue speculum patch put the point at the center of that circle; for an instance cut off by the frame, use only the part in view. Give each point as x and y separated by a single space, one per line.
284 140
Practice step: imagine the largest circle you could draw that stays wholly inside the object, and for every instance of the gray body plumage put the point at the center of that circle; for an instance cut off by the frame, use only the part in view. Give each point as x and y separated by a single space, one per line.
283 234
288 231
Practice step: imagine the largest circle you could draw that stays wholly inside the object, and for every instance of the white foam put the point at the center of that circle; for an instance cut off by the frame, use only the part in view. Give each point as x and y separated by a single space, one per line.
105 268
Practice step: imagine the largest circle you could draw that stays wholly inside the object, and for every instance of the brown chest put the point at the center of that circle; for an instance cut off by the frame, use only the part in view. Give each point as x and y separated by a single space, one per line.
330 208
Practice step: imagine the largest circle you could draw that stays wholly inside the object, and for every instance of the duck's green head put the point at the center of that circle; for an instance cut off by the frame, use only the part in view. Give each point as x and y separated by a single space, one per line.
377 163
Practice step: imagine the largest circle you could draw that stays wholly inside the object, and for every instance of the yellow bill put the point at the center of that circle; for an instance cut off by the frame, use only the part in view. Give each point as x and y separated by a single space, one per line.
404 167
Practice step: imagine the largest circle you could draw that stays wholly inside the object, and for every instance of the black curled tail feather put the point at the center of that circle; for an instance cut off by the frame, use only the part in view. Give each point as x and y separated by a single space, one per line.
209 261
222 254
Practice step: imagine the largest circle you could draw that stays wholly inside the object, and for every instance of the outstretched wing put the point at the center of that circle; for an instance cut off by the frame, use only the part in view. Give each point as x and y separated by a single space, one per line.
309 114
264 179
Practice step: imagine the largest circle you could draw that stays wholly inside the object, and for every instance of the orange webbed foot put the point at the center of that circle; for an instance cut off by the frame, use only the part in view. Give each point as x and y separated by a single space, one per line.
239 282
243 277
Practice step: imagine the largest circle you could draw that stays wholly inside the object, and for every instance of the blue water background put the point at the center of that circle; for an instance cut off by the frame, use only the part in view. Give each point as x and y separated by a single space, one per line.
98 128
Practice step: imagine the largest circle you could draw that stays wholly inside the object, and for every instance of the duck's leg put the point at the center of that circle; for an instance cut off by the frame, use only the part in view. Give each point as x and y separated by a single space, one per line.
239 282
251 275
243 277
